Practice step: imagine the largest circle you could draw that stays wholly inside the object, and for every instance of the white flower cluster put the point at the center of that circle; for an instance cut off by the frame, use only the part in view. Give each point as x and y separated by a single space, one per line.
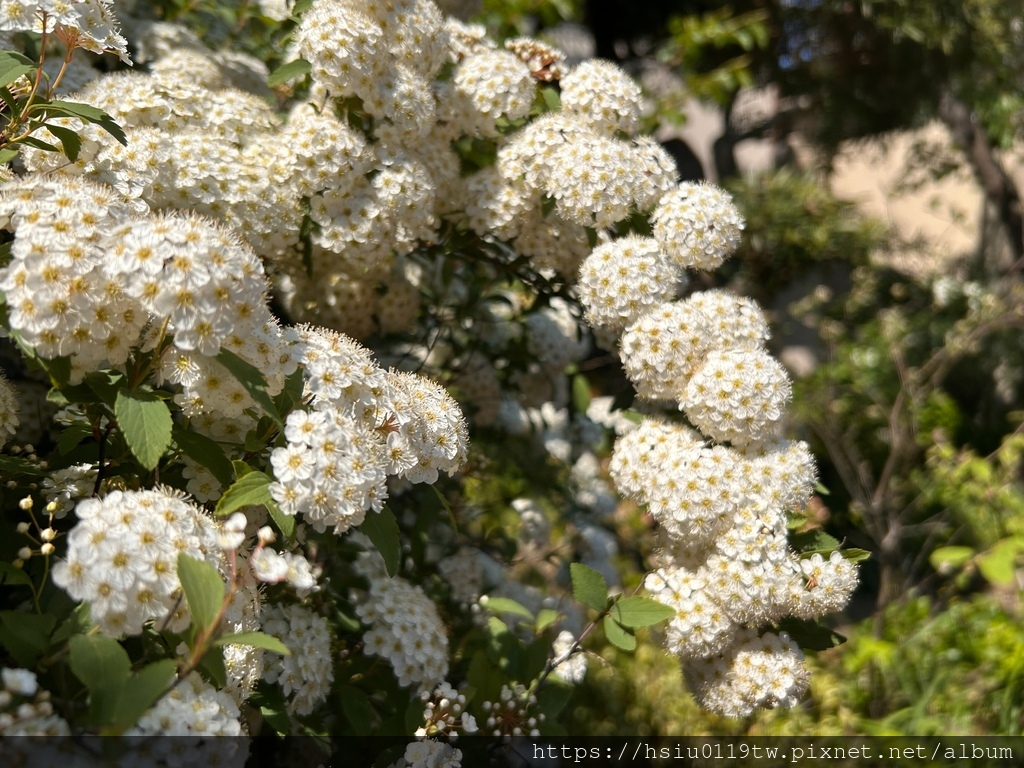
25 710
191 708
429 754
87 24
122 558
9 420
510 714
405 627
305 677
569 667
63 488
729 571
365 425
445 714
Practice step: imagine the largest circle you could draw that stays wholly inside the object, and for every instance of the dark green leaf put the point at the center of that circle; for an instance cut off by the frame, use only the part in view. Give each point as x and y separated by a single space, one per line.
358 710
14 65
254 640
137 694
97 660
212 667
588 586
277 719
810 635
71 437
33 141
547 205
26 635
291 394
637 612
70 140
106 385
284 523
205 452
290 71
204 591
146 423
617 635
252 489
78 623
250 377
11 576
18 466
88 113
381 528
551 700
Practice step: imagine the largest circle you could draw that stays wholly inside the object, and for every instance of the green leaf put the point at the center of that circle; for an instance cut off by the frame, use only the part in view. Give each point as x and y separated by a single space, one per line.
19 466
14 65
447 507
7 155
146 423
551 700
137 694
505 605
254 640
551 99
291 394
617 635
998 565
12 577
37 143
545 618
381 528
240 468
358 710
588 586
250 377
284 523
547 205
79 622
103 667
277 719
638 612
212 666
71 437
204 591
106 384
300 7
26 635
252 489
810 635
85 112
946 559
290 71
70 140
580 393
855 555
205 452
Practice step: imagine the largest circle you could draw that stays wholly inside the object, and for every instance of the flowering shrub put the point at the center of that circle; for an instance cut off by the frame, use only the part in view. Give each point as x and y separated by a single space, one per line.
226 500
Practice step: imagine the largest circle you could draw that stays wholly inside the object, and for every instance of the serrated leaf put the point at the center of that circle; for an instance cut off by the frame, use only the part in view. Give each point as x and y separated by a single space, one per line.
505 605
617 635
290 71
381 528
204 591
252 489
137 694
68 139
146 425
637 612
26 635
205 452
588 586
254 640
14 65
250 377
357 708
85 112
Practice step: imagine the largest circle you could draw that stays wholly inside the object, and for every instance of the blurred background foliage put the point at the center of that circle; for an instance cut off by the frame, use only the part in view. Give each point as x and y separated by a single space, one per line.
914 405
